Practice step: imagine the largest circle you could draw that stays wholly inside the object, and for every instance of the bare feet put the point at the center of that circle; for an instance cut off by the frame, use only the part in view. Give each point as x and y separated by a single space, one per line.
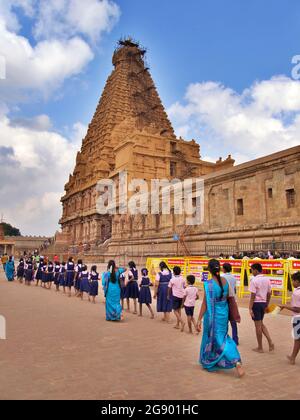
239 370
258 350
272 348
177 327
182 326
291 360
152 316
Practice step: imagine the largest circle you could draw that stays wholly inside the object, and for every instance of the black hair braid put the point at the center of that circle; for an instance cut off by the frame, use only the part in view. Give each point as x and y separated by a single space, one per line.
112 269
217 274
215 268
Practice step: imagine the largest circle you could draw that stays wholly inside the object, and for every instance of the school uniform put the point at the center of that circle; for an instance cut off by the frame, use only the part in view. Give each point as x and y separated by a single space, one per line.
29 271
78 270
70 274
62 276
123 286
190 294
93 283
44 273
56 274
21 269
261 287
50 274
132 288
145 293
84 282
39 273
163 303
177 285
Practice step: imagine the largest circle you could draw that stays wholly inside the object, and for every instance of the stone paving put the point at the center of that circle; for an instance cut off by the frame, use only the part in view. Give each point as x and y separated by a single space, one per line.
61 348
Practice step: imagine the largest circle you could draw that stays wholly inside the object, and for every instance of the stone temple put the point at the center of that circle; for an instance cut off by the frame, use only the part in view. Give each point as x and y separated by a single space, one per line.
255 202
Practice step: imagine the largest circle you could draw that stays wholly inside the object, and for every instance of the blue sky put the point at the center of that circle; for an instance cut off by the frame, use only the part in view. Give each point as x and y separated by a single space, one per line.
222 69
233 42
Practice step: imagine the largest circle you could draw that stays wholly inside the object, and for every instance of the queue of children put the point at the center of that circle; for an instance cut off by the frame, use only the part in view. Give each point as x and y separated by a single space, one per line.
173 292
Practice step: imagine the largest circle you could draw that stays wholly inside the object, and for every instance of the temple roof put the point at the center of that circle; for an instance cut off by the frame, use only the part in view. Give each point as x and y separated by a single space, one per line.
129 95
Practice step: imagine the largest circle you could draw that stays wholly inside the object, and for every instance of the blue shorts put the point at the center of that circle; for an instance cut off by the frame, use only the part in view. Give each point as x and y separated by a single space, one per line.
177 303
259 310
189 310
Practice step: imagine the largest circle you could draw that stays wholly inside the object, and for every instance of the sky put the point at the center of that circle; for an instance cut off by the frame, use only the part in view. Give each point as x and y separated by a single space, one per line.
223 70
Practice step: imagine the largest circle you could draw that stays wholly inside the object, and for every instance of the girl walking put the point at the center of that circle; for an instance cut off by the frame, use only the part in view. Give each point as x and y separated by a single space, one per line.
62 276
94 285
164 302
21 270
132 288
56 275
145 297
29 272
70 275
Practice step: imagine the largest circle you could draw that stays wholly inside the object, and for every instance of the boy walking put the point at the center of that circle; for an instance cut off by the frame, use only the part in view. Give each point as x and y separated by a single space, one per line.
260 288
191 294
295 308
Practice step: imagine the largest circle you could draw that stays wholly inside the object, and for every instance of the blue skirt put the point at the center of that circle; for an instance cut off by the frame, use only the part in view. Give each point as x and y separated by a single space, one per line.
56 279
163 304
50 277
123 293
94 286
20 272
77 283
132 290
70 278
28 275
85 285
62 279
44 277
145 295
39 275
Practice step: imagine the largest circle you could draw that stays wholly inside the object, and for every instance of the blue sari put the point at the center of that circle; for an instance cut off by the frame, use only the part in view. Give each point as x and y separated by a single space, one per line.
218 350
112 293
10 270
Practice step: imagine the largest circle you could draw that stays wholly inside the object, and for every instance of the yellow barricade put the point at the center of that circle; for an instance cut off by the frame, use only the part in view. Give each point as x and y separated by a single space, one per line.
278 273
153 265
198 267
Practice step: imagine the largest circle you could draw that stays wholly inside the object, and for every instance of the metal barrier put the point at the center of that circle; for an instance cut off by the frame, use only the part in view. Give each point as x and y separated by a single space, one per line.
279 272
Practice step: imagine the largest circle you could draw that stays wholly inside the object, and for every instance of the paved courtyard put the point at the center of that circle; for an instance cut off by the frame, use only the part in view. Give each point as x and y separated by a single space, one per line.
61 348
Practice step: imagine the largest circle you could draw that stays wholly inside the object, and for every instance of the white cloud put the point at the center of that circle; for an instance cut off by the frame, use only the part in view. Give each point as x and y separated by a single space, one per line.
263 119
42 68
67 17
34 166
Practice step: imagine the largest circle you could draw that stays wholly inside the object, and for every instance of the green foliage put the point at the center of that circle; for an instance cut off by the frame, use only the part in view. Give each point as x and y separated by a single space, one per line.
9 230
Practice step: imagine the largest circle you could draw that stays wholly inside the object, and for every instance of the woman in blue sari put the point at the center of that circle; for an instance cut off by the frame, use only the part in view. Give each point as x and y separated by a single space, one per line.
218 350
112 292
10 269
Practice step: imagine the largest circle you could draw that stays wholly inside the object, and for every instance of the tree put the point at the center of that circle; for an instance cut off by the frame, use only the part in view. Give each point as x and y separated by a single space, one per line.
9 230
